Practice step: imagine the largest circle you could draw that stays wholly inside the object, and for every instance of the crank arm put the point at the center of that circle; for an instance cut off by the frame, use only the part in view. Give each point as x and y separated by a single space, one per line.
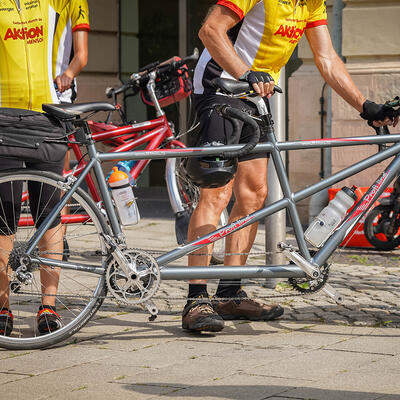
331 292
118 256
152 309
310 269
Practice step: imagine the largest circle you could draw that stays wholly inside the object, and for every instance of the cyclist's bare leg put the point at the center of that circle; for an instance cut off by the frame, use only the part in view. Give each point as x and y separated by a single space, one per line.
51 246
250 190
211 204
6 245
198 314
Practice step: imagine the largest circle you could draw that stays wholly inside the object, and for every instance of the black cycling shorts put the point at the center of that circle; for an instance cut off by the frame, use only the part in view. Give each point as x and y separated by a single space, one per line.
42 198
215 128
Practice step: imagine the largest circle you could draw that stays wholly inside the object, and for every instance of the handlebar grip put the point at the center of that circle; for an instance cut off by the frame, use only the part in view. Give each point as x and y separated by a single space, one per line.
235 114
71 87
110 91
177 64
278 89
188 59
149 66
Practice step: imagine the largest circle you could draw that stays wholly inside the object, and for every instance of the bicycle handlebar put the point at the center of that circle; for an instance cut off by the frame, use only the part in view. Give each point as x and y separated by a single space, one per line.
110 91
391 113
150 66
174 65
139 79
233 115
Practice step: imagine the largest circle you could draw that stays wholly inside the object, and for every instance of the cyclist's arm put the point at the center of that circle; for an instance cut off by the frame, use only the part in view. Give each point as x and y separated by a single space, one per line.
332 67
214 36
334 71
78 62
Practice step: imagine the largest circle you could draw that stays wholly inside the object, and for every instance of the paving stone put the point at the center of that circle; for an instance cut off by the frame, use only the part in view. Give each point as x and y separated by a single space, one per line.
333 394
319 364
317 350
49 360
6 377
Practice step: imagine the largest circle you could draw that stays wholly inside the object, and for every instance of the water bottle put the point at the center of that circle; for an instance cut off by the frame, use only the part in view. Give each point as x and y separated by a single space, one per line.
330 217
126 167
123 196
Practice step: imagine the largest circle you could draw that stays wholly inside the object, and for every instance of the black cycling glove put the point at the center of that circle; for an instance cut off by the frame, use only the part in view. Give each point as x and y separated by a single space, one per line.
256 76
376 112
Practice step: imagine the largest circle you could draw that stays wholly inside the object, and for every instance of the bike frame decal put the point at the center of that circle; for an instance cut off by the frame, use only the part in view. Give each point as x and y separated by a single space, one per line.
223 232
369 197
311 141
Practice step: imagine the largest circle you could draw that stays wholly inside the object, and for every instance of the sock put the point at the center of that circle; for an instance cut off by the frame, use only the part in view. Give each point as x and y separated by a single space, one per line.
228 287
196 290
43 306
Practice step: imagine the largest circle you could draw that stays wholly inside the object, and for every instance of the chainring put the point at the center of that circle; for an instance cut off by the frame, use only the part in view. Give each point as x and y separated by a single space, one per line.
308 285
140 285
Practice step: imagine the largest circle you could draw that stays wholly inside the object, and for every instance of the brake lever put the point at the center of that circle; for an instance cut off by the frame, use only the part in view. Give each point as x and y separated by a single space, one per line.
393 103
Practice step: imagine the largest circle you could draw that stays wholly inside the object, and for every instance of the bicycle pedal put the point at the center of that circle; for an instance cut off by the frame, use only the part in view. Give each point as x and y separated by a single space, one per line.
310 269
152 309
331 292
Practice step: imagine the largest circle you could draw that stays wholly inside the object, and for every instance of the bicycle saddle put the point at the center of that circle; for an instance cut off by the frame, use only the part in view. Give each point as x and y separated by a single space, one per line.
231 86
71 111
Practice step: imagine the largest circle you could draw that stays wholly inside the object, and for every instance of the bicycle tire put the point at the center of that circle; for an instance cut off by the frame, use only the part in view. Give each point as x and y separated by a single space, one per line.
374 225
80 293
184 198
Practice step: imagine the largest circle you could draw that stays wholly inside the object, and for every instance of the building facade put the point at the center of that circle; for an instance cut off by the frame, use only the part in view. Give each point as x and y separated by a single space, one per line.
372 56
127 34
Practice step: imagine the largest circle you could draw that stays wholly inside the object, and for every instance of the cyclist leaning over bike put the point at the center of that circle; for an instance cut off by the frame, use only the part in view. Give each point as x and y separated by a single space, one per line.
250 40
27 30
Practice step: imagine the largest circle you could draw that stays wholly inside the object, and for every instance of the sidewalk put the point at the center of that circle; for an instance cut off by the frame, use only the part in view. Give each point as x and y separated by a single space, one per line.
318 350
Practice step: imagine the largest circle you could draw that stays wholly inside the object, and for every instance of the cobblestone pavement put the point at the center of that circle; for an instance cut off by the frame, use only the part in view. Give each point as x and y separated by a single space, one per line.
368 280
318 350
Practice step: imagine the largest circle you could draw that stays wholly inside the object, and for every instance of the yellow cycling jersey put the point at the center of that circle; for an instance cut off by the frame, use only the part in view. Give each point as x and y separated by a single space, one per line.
26 45
75 16
265 37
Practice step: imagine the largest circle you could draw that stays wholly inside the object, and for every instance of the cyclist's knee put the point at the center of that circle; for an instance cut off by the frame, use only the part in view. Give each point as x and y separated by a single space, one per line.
215 199
251 197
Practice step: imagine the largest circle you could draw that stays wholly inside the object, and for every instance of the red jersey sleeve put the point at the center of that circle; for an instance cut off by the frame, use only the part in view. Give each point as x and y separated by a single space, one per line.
318 14
239 7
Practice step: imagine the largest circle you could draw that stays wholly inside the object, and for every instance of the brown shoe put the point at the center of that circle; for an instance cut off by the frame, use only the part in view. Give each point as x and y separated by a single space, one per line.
245 308
199 315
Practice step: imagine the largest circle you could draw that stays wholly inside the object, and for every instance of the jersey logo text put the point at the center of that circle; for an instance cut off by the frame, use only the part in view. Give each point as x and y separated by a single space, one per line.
291 32
34 35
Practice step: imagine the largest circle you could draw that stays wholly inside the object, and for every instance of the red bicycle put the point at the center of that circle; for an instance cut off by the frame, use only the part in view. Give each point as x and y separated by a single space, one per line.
160 84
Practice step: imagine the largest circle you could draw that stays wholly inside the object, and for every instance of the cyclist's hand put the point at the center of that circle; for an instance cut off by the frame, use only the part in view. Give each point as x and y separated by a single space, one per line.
63 82
262 82
379 114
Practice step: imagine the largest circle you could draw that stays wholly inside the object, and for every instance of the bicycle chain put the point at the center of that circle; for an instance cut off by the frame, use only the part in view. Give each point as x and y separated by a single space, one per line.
183 298
155 251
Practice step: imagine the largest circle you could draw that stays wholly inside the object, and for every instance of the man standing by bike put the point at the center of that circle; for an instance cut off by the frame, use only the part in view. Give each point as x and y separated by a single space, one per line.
26 82
70 48
70 52
251 40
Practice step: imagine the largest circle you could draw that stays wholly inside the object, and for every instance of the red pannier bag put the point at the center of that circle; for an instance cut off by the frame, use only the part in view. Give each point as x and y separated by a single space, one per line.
170 87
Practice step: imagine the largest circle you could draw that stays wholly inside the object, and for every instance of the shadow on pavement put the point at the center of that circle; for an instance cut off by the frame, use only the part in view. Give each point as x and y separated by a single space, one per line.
239 392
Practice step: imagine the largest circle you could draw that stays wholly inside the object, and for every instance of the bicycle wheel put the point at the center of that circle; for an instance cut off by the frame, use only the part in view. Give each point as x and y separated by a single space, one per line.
80 292
376 228
184 196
